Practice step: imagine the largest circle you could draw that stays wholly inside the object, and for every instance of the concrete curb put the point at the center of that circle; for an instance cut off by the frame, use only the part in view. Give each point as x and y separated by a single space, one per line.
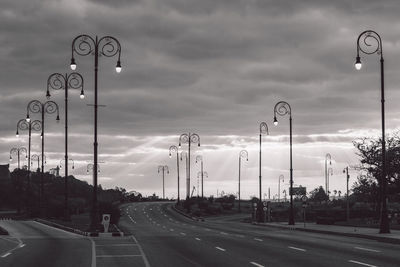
76 231
371 237
198 219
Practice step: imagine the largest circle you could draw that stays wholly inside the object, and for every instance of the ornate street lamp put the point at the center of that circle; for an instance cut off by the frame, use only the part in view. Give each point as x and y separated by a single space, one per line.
107 46
90 168
18 151
48 107
37 158
188 138
282 108
73 163
245 155
163 169
328 158
174 149
23 125
281 177
57 81
367 48
263 130
199 158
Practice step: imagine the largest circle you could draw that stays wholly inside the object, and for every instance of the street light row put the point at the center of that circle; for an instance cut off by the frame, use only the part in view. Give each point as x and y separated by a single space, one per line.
82 45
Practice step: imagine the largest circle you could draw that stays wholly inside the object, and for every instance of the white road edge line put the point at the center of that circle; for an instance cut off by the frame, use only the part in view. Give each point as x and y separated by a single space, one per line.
300 249
118 256
367 249
362 263
5 255
222 249
256 264
146 262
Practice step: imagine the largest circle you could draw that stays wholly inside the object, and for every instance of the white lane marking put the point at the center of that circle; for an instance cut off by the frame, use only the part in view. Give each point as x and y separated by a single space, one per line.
256 264
22 245
242 236
118 256
222 249
362 263
5 255
300 249
183 234
131 219
367 249
198 239
258 239
223 233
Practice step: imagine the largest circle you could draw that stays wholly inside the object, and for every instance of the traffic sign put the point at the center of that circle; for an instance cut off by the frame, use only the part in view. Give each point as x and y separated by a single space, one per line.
304 198
265 203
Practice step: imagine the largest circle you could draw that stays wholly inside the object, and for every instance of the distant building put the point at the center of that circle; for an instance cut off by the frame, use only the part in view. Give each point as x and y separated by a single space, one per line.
55 171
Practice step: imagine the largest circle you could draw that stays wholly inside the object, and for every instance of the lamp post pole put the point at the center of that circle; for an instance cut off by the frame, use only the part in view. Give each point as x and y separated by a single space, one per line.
327 157
199 158
48 107
107 46
163 169
263 130
37 158
202 174
366 47
57 81
242 154
283 108
346 171
189 138
281 177
174 149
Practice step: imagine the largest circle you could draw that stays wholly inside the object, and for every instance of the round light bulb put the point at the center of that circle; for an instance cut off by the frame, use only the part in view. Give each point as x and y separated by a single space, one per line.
82 96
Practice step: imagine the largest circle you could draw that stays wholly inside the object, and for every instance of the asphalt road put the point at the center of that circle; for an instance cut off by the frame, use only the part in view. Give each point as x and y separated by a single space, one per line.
34 244
170 239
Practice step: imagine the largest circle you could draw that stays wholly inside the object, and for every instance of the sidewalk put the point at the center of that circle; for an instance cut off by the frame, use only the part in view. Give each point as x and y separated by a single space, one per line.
362 232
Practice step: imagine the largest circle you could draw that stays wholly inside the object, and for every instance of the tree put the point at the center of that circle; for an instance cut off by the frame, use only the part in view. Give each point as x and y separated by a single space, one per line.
318 195
370 153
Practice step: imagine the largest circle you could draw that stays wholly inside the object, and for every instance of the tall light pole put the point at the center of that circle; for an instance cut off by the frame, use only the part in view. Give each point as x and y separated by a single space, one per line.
57 81
328 159
189 138
330 172
367 48
18 151
23 125
245 155
48 107
199 158
281 177
163 169
283 108
201 175
174 149
90 168
185 155
263 130
346 171
106 46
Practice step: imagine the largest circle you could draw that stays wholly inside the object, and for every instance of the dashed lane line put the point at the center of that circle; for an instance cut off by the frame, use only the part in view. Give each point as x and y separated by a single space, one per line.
299 249
256 264
183 234
367 249
222 249
5 255
362 263
198 239
258 239
118 256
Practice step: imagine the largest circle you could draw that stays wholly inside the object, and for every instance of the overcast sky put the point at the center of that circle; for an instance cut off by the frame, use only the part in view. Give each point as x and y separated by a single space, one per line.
213 67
